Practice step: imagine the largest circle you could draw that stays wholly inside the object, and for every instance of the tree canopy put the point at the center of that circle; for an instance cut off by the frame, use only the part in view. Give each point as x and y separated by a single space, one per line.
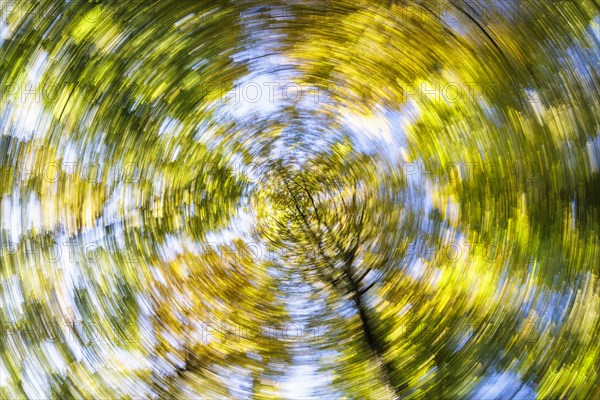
300 199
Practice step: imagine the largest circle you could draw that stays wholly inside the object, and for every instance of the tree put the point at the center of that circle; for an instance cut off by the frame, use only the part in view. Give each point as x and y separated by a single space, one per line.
138 260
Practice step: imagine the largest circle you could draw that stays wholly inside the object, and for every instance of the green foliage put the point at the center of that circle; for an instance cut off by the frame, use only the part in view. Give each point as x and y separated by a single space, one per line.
141 300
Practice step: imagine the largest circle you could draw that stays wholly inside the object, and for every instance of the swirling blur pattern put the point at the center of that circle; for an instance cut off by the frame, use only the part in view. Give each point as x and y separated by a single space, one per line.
293 199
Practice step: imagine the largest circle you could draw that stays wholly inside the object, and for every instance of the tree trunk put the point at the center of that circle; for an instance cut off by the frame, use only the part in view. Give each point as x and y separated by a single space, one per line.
375 345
